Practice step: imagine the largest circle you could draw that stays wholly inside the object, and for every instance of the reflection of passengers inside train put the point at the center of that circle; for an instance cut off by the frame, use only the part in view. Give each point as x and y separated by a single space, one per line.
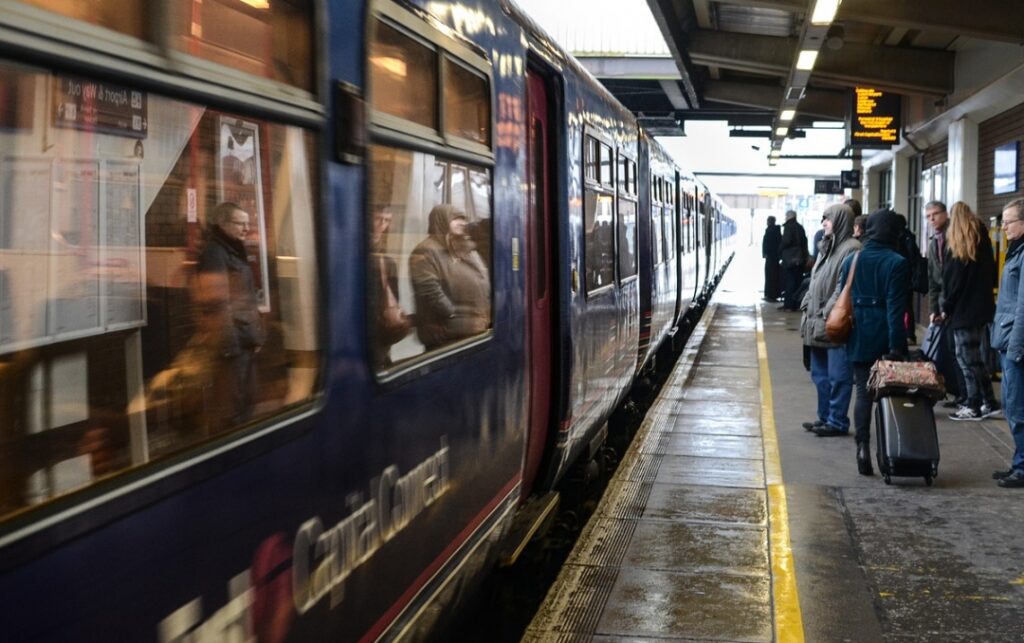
450 280
388 324
224 270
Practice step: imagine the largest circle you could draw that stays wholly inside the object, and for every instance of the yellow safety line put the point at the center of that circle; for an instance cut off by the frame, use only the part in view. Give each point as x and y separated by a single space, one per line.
789 624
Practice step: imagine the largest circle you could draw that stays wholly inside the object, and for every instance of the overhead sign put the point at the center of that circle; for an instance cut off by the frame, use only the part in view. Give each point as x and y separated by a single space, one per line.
828 186
850 179
874 118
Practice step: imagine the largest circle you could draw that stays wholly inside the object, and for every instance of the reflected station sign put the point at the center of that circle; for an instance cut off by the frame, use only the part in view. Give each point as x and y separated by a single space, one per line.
874 118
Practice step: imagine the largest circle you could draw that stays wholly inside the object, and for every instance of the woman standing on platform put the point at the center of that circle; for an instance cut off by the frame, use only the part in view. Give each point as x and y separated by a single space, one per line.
968 277
879 293
830 370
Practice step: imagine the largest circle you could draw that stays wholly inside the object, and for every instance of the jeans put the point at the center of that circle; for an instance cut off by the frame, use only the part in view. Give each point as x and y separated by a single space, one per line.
1013 406
862 403
977 383
833 379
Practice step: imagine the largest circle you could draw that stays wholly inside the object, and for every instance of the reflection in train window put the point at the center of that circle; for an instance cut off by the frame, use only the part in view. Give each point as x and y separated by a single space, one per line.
656 234
428 278
591 159
403 76
158 282
599 239
627 239
467 104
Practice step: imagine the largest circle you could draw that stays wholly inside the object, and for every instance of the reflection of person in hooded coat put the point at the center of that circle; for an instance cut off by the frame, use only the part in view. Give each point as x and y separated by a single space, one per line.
450 281
830 370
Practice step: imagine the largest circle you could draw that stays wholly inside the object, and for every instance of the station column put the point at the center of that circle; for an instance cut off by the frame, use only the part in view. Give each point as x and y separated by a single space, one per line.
962 172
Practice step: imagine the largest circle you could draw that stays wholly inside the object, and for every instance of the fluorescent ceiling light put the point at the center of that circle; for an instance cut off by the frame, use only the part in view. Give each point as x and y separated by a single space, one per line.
824 11
787 114
806 59
781 131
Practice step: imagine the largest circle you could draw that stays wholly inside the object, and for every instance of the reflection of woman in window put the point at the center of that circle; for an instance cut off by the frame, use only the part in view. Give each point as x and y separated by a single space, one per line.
388 325
453 289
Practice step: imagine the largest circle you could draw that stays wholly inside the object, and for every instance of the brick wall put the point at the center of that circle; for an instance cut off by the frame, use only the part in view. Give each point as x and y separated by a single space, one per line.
936 154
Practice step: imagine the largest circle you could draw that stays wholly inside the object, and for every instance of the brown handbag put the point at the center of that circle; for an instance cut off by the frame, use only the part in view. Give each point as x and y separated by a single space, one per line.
839 323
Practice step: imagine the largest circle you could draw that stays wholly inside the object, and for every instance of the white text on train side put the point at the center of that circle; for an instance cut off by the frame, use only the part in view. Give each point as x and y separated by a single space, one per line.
323 559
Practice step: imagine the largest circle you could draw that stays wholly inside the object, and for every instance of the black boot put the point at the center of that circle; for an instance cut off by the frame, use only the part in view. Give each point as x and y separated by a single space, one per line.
864 459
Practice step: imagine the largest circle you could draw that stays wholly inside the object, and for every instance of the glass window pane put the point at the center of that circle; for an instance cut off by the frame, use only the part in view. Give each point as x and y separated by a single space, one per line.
158 288
467 104
428 276
458 188
627 239
124 16
607 166
403 76
670 237
599 241
273 39
592 157
656 241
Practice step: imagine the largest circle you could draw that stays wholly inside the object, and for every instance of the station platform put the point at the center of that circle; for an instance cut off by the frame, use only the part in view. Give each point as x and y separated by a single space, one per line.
727 521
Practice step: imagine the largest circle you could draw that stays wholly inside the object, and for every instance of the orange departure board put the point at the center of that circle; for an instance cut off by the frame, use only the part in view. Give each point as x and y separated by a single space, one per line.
874 118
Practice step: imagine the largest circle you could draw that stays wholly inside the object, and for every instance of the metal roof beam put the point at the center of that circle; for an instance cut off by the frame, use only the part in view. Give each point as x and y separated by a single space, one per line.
794 6
899 69
673 26
823 103
984 19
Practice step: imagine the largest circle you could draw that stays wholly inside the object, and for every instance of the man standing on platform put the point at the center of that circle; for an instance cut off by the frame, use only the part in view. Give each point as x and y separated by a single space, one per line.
938 252
770 254
793 253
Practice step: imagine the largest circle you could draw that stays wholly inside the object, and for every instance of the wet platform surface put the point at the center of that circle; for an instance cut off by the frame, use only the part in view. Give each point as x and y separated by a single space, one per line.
681 546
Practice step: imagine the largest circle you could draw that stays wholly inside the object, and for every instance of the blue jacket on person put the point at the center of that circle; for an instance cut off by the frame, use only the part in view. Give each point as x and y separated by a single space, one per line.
1008 328
880 289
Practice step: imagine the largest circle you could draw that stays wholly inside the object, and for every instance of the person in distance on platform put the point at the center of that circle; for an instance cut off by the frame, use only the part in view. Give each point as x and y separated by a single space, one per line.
879 292
917 275
968 277
770 254
793 255
830 370
816 243
1008 339
854 204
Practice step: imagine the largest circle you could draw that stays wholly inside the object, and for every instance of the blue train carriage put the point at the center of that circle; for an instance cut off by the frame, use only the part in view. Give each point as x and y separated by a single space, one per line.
594 148
689 244
341 464
660 261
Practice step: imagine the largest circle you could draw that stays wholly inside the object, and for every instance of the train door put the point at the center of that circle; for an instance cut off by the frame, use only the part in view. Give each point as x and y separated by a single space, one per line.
539 274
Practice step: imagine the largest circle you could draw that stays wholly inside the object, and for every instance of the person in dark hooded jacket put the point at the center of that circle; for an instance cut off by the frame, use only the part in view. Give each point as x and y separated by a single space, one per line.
879 292
793 254
830 370
770 254
449 280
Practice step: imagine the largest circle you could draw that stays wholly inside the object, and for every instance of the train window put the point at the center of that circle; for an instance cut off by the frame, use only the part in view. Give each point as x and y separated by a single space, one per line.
467 104
622 181
670 237
599 240
656 236
627 239
269 39
428 278
158 280
592 159
403 75
632 178
124 16
607 166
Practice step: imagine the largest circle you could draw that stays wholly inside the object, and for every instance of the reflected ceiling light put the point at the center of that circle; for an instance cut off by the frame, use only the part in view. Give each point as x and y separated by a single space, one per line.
781 131
258 4
787 114
390 64
824 11
806 59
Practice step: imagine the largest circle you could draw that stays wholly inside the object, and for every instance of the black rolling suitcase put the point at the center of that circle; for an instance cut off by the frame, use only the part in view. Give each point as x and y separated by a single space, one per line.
908 443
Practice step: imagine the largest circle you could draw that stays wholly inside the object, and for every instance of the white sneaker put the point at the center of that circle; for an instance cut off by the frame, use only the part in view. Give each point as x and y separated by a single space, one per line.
965 414
991 411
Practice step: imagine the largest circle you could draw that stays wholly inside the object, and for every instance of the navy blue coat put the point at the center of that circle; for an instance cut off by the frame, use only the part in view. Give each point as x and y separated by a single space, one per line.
880 288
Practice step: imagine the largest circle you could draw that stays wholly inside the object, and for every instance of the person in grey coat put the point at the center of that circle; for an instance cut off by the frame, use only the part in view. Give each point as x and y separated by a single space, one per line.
830 369
1008 339
450 281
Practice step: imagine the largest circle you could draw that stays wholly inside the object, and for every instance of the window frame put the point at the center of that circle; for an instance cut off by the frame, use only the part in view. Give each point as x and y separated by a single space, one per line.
633 198
604 141
62 45
387 130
